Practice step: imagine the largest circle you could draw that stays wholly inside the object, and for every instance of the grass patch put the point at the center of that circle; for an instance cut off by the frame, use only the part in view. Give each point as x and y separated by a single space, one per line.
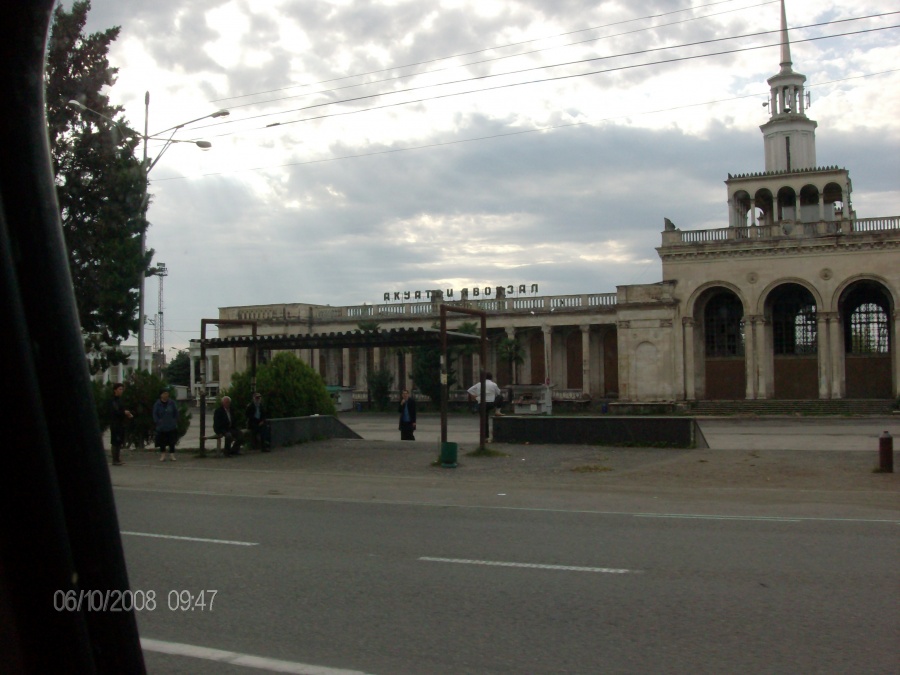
591 468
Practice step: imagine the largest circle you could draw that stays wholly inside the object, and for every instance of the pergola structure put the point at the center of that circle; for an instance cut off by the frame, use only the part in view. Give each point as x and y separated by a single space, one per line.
400 337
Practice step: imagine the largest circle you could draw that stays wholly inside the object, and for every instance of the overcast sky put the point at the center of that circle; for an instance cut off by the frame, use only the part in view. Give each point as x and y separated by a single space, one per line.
450 144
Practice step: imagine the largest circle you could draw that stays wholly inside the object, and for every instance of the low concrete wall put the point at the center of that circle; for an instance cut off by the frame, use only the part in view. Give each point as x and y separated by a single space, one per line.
294 430
645 408
647 431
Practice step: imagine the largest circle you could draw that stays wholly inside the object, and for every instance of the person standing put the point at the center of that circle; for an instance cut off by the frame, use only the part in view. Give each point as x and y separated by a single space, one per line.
257 422
407 411
224 425
165 416
117 416
493 395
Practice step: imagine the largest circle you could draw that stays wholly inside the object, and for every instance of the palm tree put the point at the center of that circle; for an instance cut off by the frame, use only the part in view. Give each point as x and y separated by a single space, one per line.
512 352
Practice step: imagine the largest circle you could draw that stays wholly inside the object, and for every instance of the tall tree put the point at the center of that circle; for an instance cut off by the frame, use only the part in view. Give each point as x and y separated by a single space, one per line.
101 185
179 369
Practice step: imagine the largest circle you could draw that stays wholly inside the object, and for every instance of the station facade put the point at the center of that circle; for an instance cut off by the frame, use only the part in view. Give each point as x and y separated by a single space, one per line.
795 298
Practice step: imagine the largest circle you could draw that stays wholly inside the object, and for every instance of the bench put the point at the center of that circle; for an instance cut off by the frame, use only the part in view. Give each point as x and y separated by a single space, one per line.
218 438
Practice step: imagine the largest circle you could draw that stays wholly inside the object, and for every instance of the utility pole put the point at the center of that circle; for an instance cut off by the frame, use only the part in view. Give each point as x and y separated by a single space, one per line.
143 279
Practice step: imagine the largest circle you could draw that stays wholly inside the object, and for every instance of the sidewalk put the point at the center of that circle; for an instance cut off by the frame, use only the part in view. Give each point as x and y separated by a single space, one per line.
834 455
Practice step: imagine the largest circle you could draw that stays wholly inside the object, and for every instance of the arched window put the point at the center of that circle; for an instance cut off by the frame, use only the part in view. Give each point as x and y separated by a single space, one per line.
794 327
724 326
868 330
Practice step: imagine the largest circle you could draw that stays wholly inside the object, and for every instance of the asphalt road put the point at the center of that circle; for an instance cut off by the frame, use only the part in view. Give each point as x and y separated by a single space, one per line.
414 588
340 565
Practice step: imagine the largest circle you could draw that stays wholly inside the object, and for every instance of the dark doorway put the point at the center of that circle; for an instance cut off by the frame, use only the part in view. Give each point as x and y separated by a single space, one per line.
723 334
795 342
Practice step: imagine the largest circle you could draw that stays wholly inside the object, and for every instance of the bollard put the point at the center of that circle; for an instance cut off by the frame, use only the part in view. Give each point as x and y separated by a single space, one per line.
448 455
886 453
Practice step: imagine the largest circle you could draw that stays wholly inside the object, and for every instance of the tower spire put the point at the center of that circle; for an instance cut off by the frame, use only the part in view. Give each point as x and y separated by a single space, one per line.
789 134
786 62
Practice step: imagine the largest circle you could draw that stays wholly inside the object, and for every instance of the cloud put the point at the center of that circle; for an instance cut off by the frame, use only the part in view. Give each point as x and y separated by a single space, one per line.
274 215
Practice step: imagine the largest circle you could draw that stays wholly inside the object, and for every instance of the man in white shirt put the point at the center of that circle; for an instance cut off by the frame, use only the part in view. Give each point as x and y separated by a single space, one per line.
493 398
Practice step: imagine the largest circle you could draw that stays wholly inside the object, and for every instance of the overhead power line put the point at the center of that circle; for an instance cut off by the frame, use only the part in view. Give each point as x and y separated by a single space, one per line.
487 49
539 81
555 78
483 61
520 132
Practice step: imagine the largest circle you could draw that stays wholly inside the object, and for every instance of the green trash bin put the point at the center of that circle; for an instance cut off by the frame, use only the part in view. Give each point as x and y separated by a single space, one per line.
448 455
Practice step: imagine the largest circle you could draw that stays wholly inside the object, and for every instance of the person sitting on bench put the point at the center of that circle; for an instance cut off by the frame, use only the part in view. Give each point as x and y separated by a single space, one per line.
224 425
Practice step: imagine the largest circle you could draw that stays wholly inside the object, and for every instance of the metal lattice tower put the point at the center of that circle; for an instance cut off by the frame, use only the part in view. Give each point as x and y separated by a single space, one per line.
159 338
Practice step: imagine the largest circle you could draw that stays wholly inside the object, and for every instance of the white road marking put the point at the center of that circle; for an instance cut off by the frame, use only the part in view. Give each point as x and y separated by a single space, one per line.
200 539
237 659
565 568
692 516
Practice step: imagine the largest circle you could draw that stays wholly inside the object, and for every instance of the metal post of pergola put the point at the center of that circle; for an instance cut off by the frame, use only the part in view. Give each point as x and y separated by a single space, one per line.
482 406
220 322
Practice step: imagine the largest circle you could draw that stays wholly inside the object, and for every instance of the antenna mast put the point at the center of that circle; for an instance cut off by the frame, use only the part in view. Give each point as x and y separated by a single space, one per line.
159 338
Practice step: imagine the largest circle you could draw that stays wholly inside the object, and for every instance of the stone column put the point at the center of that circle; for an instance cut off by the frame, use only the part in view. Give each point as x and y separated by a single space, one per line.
585 359
345 356
821 206
825 352
750 337
836 345
765 359
690 373
315 360
626 381
601 362
548 353
362 368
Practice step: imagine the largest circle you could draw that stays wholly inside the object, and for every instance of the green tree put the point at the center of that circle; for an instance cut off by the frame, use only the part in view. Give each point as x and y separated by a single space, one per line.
179 369
379 383
290 388
101 186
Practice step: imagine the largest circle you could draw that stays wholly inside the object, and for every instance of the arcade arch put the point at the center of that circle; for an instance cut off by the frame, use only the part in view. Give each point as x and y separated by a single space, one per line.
719 339
866 308
791 317
787 204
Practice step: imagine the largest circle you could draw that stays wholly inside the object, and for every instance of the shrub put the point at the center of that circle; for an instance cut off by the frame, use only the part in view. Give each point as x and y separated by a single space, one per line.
141 392
290 388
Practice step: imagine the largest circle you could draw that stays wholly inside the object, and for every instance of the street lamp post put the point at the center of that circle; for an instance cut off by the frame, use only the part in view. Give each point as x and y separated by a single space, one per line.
147 166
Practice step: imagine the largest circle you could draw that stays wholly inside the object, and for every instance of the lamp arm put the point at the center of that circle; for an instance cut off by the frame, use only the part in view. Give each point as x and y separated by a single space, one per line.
165 147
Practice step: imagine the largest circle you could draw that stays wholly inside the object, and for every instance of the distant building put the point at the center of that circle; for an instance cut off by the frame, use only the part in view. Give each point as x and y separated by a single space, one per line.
121 372
794 298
